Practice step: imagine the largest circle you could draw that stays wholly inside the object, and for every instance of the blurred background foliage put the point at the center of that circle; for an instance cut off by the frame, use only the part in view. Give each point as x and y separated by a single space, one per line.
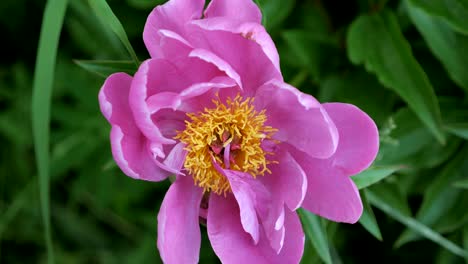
404 62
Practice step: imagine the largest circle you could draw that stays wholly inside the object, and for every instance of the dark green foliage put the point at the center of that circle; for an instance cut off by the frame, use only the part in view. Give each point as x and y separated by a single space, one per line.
404 62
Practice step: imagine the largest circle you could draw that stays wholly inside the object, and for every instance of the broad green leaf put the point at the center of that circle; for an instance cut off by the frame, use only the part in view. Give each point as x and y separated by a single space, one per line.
439 196
373 175
274 12
377 42
412 145
454 12
106 68
448 46
367 219
360 88
107 17
41 104
316 233
308 51
415 225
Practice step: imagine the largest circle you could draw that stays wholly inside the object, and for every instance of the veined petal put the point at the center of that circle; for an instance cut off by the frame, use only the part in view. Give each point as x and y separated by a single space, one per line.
241 10
250 30
245 56
178 229
359 138
172 16
226 232
249 194
300 119
331 193
129 146
287 180
157 76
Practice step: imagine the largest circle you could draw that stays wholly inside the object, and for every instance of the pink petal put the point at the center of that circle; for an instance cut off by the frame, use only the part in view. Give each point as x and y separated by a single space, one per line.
173 46
218 62
176 158
249 194
293 242
251 31
241 10
300 119
129 146
158 76
226 233
287 180
359 138
245 56
172 16
178 229
330 193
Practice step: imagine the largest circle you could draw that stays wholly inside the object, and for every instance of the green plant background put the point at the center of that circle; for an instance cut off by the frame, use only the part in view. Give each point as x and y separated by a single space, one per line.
63 199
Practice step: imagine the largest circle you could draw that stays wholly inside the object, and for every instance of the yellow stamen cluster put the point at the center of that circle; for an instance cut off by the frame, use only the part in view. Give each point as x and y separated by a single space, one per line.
234 124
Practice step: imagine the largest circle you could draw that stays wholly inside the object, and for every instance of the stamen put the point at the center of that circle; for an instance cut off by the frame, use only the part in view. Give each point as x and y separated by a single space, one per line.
229 134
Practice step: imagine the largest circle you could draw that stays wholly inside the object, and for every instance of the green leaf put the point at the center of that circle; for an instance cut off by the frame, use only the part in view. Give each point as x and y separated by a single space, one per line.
309 51
465 240
41 104
107 17
448 46
367 219
360 88
439 196
455 218
415 225
461 184
19 202
377 42
104 68
454 12
412 145
458 129
274 12
145 4
316 233
373 175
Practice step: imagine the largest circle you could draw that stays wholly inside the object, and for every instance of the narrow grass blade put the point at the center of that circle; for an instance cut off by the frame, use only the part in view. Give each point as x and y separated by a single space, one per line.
368 220
416 226
107 67
41 102
107 17
461 184
316 234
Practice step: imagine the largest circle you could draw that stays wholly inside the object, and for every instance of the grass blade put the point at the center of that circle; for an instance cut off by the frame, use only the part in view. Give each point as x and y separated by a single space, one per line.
373 175
316 234
104 68
107 17
368 220
41 102
416 226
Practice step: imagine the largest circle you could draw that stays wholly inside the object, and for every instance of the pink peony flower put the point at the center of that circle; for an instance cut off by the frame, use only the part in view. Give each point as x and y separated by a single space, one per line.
247 149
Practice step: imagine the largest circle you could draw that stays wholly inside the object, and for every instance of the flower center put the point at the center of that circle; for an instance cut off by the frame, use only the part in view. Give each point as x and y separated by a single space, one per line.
231 135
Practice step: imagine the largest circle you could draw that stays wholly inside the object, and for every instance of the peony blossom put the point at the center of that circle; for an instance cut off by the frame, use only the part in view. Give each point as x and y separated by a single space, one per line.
247 150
